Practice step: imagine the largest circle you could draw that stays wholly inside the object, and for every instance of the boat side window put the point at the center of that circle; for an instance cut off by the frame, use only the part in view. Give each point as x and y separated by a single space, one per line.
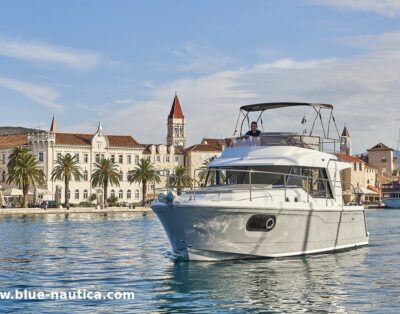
316 183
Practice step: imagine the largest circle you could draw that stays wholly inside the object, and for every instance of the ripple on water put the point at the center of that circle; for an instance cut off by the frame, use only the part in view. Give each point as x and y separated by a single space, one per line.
128 252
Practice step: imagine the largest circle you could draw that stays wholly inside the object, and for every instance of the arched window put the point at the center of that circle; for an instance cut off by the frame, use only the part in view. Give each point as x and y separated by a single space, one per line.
128 194
77 194
4 176
121 176
121 194
97 157
85 175
112 193
85 194
137 194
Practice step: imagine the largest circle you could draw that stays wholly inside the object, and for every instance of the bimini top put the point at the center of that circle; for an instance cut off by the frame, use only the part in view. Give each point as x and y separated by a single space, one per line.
275 105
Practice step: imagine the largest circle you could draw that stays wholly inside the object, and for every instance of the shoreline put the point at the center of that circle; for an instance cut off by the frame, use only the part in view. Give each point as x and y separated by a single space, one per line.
75 210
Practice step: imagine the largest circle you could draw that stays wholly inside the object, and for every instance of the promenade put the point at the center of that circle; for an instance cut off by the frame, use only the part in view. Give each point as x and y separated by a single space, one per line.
80 210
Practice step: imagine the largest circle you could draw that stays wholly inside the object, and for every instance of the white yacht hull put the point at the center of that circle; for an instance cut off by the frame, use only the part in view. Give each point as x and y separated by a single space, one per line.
217 233
392 202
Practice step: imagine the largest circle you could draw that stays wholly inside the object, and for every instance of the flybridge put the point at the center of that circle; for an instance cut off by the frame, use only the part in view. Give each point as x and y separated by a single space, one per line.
328 141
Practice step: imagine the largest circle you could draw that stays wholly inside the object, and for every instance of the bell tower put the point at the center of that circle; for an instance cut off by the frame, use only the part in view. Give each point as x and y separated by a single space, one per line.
176 125
345 142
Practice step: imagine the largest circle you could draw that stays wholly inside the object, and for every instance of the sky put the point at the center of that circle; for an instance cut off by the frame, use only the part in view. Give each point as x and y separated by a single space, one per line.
121 62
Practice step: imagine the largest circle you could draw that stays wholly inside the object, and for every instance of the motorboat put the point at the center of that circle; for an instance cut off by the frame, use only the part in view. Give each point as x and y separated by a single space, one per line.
391 194
275 195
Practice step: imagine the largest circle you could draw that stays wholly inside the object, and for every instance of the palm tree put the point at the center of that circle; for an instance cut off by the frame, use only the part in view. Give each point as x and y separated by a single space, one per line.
105 172
144 173
180 179
23 170
65 168
211 174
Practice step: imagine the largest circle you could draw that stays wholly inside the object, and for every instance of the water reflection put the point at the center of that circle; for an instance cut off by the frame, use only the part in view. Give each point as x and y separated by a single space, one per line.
303 283
125 252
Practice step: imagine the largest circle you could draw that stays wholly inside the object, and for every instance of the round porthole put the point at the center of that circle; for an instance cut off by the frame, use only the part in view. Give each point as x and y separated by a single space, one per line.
261 223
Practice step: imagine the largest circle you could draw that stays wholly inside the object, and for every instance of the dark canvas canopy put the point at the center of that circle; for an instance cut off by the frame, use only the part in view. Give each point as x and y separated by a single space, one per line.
275 105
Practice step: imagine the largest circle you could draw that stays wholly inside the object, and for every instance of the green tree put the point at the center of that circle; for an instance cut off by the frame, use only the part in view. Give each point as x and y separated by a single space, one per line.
66 168
23 171
180 179
105 172
212 174
144 173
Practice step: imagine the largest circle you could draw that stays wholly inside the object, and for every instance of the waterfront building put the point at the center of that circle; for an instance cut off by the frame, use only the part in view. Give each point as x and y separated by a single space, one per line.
382 158
360 179
165 159
124 150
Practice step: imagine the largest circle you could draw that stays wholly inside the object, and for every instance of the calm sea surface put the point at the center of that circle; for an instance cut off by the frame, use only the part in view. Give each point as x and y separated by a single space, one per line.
130 252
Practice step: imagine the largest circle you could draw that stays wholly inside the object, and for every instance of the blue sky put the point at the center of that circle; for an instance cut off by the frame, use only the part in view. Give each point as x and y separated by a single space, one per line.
120 62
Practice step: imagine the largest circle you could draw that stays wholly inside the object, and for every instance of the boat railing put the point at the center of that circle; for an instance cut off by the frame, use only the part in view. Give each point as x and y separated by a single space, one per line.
327 145
319 188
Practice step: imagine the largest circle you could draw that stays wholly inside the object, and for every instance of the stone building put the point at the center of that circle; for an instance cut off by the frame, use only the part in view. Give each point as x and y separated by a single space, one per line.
47 146
382 158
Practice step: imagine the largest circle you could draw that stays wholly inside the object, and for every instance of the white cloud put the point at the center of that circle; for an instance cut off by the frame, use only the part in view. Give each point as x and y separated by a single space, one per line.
43 52
197 57
383 7
363 89
44 96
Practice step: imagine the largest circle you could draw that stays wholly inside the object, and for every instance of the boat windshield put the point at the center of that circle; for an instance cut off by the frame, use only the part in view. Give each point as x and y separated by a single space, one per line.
313 180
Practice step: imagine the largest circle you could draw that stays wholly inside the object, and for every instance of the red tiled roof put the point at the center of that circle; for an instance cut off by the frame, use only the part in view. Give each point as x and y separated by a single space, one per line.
176 110
201 148
13 140
349 158
85 140
380 146
218 143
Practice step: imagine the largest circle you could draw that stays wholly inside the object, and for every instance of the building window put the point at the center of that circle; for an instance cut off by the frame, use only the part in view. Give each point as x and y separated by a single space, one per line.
383 159
181 131
121 176
167 158
3 159
136 159
58 155
85 175
85 194
121 194
102 156
113 158
97 157
128 194
355 167
129 159
176 159
383 170
148 158
121 159
85 157
4 176
112 193
158 158
69 194
77 194
176 131
137 194
40 157
360 166
77 157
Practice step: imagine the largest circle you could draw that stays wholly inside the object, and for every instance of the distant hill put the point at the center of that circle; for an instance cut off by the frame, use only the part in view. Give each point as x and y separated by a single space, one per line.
6 130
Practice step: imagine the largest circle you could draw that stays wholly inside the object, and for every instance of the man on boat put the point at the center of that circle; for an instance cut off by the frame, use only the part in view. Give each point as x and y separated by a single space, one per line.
253 130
